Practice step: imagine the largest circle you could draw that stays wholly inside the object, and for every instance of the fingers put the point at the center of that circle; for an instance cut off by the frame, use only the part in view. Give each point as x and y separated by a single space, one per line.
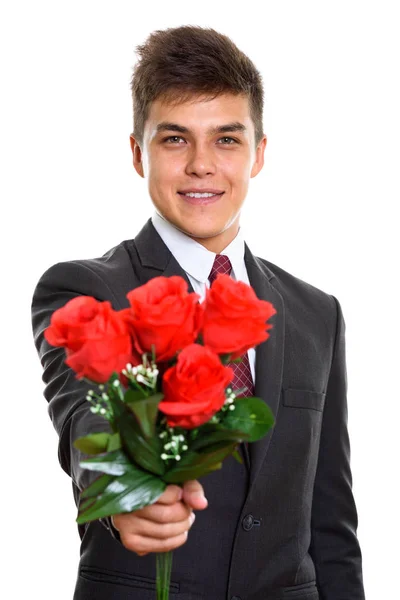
148 536
164 525
163 531
172 494
193 495
143 545
165 513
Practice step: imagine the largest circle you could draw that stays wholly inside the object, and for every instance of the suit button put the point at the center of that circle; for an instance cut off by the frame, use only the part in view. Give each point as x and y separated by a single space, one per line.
248 522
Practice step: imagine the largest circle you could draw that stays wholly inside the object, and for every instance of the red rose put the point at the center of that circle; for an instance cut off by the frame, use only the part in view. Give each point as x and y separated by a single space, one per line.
69 324
194 389
96 338
165 315
234 318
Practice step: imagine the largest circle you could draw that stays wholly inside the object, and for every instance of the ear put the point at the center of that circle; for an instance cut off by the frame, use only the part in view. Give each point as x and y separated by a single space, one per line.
137 155
259 159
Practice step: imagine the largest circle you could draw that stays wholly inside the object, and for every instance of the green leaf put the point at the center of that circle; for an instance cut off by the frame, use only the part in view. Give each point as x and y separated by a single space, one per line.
133 396
94 443
83 505
225 358
112 463
89 494
195 465
145 411
132 491
251 416
114 443
97 486
208 439
145 452
236 456
237 360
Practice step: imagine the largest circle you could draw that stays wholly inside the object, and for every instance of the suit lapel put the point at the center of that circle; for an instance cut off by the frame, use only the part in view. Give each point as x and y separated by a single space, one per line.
155 257
156 260
269 355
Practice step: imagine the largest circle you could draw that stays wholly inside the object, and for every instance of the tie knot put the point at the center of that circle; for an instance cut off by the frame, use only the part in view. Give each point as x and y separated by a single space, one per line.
222 264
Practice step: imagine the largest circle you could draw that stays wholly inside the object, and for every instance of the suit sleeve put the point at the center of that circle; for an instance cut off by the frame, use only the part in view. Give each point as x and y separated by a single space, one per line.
334 546
67 405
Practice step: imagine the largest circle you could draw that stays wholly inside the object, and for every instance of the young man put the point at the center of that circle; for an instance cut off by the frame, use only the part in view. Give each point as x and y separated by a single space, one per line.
282 525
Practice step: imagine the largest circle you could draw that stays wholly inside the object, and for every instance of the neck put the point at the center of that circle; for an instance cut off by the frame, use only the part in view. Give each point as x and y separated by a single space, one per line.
218 243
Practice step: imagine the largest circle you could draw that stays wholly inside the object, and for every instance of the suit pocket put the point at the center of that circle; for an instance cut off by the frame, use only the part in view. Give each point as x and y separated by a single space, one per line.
304 591
296 398
97 575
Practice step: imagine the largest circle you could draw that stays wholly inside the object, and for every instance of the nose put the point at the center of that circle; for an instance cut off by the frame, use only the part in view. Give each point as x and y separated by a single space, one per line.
200 161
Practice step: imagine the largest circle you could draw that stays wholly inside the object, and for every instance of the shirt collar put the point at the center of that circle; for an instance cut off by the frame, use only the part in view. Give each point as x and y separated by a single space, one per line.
194 258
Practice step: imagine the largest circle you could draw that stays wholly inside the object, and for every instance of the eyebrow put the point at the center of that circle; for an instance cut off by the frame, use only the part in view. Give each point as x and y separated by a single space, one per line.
228 128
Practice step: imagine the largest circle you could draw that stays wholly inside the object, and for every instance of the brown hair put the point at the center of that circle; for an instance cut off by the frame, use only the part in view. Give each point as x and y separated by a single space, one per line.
180 62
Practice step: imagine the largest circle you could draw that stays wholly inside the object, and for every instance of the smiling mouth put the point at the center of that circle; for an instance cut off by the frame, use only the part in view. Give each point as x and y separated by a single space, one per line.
200 194
201 199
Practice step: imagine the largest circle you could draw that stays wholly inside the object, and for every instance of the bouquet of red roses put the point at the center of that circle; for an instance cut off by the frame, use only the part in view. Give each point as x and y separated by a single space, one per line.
161 368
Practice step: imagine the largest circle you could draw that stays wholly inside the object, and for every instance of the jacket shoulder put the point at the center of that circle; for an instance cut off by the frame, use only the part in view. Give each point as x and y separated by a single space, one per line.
290 284
304 302
98 277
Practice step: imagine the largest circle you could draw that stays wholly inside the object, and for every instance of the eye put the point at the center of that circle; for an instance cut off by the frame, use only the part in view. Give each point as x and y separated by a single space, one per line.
173 139
230 141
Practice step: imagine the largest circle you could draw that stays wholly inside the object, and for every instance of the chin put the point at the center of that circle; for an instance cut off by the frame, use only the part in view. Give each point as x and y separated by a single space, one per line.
201 232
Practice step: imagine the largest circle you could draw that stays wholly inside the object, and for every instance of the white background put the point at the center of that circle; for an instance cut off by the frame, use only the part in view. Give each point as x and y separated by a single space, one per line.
323 208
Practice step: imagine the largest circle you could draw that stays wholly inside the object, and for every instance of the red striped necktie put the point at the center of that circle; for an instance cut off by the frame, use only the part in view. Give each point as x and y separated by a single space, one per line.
243 377
242 372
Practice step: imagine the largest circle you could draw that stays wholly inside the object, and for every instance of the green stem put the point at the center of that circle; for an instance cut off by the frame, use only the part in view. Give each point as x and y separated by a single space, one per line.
163 566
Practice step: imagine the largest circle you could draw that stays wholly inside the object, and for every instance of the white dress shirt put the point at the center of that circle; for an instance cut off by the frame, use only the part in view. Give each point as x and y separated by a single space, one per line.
197 261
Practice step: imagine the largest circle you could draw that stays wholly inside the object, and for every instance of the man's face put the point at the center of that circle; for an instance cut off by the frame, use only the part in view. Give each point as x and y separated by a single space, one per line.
200 147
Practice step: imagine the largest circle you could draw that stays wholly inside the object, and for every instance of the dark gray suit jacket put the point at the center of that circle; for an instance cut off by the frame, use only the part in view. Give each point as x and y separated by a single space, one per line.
286 532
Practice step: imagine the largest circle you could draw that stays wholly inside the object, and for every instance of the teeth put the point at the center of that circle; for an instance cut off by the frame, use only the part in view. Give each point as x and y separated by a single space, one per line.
198 195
